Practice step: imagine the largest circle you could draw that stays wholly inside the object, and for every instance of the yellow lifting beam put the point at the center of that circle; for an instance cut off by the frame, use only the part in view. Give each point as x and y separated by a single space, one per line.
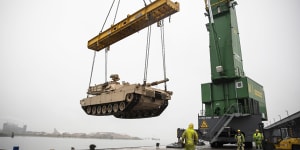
146 16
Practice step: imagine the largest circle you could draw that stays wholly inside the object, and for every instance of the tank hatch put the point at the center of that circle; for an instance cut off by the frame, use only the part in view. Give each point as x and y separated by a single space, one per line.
125 100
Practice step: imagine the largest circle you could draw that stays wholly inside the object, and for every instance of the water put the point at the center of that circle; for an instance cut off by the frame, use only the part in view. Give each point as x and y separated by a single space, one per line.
54 143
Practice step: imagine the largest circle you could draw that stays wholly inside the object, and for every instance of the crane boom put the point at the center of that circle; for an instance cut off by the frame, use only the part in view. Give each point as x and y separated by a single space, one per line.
146 16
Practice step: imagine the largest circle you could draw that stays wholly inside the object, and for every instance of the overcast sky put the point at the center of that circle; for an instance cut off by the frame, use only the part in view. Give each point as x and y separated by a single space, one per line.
45 63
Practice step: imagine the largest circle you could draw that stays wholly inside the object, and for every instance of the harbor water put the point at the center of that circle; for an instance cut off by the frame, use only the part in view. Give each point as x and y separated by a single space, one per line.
54 143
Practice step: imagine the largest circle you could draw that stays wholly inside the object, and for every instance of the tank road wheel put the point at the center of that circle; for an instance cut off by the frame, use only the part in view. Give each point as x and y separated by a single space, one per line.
122 106
129 97
104 109
94 109
89 110
98 110
109 108
115 107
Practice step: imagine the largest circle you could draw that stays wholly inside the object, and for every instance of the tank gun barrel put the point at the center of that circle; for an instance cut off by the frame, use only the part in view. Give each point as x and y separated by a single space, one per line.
157 82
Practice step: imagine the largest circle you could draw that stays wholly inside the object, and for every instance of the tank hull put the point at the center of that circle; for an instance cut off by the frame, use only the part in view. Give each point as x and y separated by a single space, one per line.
127 101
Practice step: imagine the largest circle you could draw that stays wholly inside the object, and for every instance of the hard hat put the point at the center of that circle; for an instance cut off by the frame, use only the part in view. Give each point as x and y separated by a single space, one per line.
238 130
191 125
256 130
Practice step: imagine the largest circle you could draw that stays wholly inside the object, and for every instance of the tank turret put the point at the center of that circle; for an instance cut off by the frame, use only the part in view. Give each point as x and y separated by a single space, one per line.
126 100
105 87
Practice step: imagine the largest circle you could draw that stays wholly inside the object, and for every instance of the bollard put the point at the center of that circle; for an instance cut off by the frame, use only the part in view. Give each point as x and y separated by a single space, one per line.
92 147
16 148
157 144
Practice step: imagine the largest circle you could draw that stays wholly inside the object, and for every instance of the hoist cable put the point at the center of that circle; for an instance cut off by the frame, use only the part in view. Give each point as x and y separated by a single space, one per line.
107 48
106 53
93 63
92 70
107 16
214 33
162 31
147 54
116 12
216 40
145 3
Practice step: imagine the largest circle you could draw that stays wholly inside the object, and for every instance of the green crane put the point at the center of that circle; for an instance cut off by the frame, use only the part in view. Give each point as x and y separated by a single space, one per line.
232 100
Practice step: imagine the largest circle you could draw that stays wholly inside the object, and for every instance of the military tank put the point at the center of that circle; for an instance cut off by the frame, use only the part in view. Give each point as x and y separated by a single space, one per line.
128 101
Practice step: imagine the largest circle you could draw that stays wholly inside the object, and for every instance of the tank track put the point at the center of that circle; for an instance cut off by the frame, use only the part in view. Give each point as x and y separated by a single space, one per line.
132 114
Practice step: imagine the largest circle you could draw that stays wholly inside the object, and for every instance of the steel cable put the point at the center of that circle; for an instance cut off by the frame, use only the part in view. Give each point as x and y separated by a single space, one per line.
94 57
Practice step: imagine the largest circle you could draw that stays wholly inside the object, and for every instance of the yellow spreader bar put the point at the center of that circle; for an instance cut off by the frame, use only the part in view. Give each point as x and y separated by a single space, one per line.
145 17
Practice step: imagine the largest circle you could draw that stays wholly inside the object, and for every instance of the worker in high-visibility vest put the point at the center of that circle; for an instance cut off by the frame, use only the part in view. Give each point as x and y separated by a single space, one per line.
240 139
190 138
257 138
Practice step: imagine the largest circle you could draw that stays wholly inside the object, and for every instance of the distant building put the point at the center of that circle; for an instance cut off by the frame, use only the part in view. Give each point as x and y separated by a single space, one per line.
13 128
55 132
